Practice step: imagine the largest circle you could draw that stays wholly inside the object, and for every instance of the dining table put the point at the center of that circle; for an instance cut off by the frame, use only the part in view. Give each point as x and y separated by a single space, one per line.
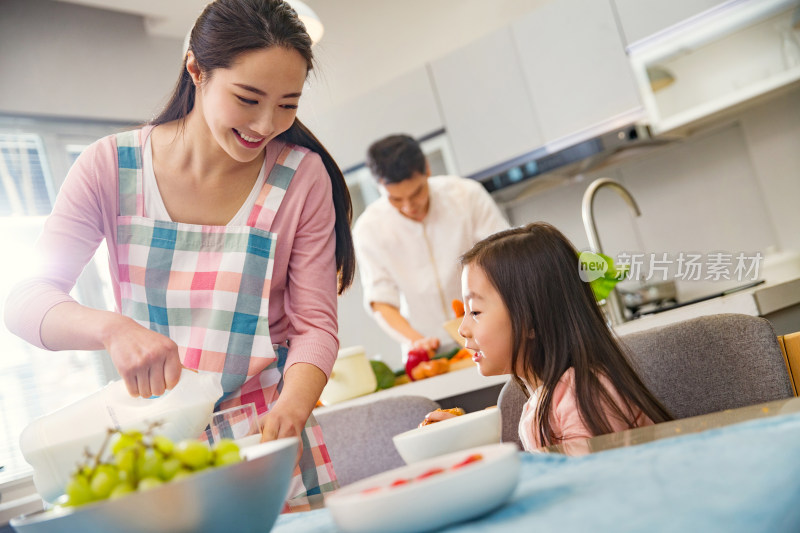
734 471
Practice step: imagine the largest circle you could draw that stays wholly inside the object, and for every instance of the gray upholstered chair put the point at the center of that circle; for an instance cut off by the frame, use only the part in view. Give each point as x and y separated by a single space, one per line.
510 402
711 363
359 438
703 365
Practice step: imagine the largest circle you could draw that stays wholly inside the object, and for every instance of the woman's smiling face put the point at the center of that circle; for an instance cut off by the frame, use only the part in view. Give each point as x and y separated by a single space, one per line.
486 325
252 102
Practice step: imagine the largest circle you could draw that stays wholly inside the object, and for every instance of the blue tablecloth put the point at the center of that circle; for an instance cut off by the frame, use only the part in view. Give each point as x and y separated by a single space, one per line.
740 478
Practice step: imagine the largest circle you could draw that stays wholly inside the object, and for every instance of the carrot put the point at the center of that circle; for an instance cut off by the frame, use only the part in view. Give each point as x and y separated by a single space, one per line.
458 308
463 353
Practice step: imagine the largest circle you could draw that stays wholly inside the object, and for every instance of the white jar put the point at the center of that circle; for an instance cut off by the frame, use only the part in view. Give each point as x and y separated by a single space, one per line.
352 376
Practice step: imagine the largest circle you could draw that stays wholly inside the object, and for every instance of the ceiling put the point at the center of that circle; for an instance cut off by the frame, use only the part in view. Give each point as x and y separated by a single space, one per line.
170 18
359 50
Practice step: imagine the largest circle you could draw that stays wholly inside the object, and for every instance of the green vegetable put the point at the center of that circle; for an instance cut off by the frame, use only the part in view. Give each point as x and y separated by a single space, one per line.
448 354
383 374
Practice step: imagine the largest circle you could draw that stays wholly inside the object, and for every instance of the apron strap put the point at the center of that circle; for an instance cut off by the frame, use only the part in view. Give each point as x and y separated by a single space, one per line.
129 161
272 193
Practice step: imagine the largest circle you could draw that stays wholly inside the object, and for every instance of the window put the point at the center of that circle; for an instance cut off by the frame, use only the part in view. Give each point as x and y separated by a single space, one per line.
24 181
34 381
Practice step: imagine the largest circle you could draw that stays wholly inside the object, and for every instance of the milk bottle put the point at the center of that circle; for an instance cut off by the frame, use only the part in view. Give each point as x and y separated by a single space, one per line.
55 443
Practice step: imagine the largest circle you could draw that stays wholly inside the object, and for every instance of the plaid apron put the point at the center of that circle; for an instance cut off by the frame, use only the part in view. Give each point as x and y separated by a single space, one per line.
207 288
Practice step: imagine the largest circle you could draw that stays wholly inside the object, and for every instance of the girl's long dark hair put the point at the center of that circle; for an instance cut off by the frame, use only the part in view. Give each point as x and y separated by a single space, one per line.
225 29
556 324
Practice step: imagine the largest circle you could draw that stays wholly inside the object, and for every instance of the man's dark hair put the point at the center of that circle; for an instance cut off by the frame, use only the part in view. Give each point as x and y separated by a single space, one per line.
395 158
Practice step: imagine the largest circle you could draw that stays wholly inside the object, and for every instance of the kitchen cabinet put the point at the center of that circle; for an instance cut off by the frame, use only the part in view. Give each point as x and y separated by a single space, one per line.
716 63
641 18
574 64
486 108
406 104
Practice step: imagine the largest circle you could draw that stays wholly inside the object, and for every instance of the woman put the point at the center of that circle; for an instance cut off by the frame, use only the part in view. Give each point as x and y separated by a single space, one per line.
227 225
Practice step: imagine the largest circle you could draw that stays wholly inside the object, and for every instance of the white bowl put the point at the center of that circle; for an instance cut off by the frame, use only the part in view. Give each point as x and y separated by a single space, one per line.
453 434
432 502
246 496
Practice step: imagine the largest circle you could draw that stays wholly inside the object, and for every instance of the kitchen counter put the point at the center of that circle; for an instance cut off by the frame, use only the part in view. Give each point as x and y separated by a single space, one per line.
778 302
438 388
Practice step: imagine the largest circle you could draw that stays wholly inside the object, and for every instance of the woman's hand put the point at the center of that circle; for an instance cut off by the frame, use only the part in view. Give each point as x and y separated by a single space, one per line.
302 385
284 421
147 361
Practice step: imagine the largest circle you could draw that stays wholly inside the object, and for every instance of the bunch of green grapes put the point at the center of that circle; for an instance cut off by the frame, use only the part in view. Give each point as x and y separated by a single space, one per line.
140 461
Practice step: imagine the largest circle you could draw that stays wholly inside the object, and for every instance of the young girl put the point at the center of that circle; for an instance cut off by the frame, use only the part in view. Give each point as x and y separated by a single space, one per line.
530 315
228 227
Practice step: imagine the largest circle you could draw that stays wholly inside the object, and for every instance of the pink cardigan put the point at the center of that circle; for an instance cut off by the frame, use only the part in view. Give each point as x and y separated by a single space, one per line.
302 303
565 419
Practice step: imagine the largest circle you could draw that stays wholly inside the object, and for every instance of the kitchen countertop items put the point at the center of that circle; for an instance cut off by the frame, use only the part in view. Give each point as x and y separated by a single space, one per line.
351 377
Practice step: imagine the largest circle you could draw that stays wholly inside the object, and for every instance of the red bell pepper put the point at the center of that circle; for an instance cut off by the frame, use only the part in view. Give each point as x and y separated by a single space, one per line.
415 357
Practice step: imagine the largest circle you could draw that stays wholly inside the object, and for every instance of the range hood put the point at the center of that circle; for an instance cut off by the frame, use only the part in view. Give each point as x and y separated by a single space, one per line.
587 150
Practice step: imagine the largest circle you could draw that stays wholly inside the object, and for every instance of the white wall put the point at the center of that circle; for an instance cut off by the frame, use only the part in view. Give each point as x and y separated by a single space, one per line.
731 188
62 60
76 61
367 42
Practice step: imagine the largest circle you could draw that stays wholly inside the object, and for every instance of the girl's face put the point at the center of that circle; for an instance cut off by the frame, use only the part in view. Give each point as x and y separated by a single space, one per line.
486 325
250 103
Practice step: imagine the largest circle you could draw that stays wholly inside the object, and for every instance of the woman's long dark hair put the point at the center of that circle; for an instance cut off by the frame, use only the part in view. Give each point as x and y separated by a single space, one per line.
227 28
534 268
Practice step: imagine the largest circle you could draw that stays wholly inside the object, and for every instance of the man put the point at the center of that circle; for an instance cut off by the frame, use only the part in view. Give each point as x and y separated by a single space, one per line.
408 242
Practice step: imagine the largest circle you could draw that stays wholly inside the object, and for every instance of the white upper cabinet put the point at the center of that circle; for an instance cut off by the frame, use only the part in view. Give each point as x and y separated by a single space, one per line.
711 65
407 104
641 18
574 64
487 110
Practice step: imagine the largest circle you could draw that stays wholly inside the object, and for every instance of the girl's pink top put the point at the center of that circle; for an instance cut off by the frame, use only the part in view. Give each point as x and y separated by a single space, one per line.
303 300
565 418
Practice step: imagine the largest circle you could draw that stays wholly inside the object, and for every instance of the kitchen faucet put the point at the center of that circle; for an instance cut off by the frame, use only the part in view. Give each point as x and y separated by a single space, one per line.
613 301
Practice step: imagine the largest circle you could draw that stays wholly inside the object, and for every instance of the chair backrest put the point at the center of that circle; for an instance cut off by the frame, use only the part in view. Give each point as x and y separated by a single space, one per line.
698 366
711 363
359 438
510 402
